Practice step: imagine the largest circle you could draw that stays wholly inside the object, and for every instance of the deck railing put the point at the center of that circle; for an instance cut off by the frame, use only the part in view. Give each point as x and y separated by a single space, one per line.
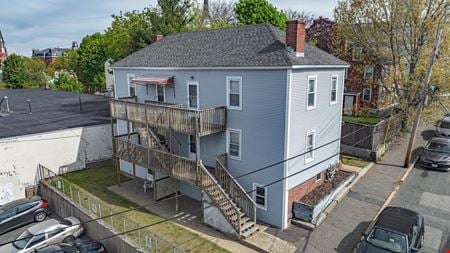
182 120
234 189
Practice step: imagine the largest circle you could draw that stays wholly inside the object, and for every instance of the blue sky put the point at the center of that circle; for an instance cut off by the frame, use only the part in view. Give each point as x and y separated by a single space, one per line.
28 24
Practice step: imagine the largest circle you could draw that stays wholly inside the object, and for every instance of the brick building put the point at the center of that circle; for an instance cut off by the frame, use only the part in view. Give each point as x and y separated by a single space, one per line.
3 51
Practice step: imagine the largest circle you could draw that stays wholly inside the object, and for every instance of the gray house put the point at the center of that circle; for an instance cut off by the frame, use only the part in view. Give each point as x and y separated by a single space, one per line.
206 109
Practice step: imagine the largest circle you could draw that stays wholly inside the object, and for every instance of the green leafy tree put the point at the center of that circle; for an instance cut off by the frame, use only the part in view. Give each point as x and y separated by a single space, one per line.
171 16
259 11
35 73
89 59
129 32
14 72
67 83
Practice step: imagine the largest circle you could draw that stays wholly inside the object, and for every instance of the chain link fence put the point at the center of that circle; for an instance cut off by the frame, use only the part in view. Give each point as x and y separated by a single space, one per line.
143 238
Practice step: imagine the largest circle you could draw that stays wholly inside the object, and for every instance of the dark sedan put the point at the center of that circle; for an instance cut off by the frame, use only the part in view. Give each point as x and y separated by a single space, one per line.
77 247
397 230
436 154
23 211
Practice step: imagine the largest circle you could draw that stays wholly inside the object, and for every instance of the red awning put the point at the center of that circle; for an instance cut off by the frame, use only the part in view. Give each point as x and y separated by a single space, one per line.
160 80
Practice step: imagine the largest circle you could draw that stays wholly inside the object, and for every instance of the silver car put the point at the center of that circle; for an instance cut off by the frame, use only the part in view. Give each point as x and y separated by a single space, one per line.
45 233
443 127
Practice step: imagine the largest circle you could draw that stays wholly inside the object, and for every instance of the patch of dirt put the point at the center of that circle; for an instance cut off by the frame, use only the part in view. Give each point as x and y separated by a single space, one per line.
314 197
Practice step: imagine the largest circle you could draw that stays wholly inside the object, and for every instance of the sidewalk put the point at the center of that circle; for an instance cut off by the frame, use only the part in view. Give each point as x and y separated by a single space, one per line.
343 227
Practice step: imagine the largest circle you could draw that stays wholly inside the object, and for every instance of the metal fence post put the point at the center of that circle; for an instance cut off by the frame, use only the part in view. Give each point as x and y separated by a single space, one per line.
71 193
125 227
100 210
111 219
156 243
139 235
89 204
62 185
79 199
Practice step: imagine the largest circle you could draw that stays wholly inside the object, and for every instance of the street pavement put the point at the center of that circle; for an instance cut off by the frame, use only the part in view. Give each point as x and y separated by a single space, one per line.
428 192
342 229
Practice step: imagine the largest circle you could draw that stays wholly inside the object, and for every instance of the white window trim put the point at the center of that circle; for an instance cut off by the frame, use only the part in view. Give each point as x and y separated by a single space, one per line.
360 54
228 80
228 143
370 94
265 197
164 92
311 77
331 89
129 84
310 159
198 93
365 72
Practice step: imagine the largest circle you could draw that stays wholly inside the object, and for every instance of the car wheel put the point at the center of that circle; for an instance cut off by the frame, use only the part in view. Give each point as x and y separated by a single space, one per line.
422 241
69 239
40 216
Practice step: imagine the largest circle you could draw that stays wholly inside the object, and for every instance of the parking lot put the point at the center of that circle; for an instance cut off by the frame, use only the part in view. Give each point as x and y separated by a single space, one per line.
11 235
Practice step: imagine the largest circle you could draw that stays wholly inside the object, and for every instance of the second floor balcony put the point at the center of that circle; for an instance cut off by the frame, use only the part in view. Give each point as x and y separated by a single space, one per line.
164 115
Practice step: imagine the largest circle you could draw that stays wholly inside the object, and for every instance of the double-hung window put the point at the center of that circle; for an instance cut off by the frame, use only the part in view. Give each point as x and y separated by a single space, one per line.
160 93
368 72
357 53
367 94
260 196
310 142
234 92
234 145
333 90
131 86
312 92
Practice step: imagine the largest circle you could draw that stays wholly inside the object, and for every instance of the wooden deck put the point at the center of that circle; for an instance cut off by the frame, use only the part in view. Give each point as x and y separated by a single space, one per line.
165 115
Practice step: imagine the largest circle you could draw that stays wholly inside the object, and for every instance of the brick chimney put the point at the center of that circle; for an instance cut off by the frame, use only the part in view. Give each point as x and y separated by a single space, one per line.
156 37
295 36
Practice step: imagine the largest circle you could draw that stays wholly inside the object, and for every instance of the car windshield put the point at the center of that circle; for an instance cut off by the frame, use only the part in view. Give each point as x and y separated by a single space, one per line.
388 240
23 239
445 124
438 147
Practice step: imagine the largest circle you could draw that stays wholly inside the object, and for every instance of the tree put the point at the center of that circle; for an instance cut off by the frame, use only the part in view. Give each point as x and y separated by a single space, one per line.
307 17
171 16
129 32
14 72
67 83
395 34
89 59
221 13
36 75
322 33
259 11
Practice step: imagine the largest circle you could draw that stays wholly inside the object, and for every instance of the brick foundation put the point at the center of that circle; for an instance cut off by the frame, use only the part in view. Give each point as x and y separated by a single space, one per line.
301 190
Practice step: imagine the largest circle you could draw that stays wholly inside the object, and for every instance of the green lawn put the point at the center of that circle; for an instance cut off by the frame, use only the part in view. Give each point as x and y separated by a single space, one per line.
363 120
353 161
97 180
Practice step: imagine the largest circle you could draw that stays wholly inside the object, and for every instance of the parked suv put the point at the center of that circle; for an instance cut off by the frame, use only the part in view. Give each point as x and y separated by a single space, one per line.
443 127
397 230
23 211
46 233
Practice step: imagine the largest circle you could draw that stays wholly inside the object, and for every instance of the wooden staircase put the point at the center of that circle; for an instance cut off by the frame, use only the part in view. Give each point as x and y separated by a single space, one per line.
225 193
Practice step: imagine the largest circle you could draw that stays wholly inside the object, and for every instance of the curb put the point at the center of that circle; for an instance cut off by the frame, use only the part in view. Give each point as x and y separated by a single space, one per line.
339 197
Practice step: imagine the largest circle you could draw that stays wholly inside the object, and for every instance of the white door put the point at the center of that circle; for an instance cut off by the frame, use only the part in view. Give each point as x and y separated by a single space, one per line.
192 92
348 104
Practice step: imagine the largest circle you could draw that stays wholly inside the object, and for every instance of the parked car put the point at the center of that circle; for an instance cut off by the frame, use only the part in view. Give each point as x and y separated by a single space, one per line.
77 246
23 211
436 154
46 233
397 230
443 127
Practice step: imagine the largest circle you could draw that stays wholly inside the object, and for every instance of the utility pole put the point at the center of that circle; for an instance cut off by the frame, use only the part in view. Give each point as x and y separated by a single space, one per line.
422 96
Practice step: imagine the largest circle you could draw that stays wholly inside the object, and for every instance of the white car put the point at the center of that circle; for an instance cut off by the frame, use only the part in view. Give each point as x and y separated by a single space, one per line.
46 233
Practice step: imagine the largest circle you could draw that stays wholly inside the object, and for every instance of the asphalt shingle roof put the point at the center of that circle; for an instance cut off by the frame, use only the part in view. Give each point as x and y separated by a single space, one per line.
51 110
240 46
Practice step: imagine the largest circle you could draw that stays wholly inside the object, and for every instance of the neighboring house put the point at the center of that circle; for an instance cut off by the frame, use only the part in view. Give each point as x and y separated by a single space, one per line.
3 51
58 134
49 55
109 78
205 107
